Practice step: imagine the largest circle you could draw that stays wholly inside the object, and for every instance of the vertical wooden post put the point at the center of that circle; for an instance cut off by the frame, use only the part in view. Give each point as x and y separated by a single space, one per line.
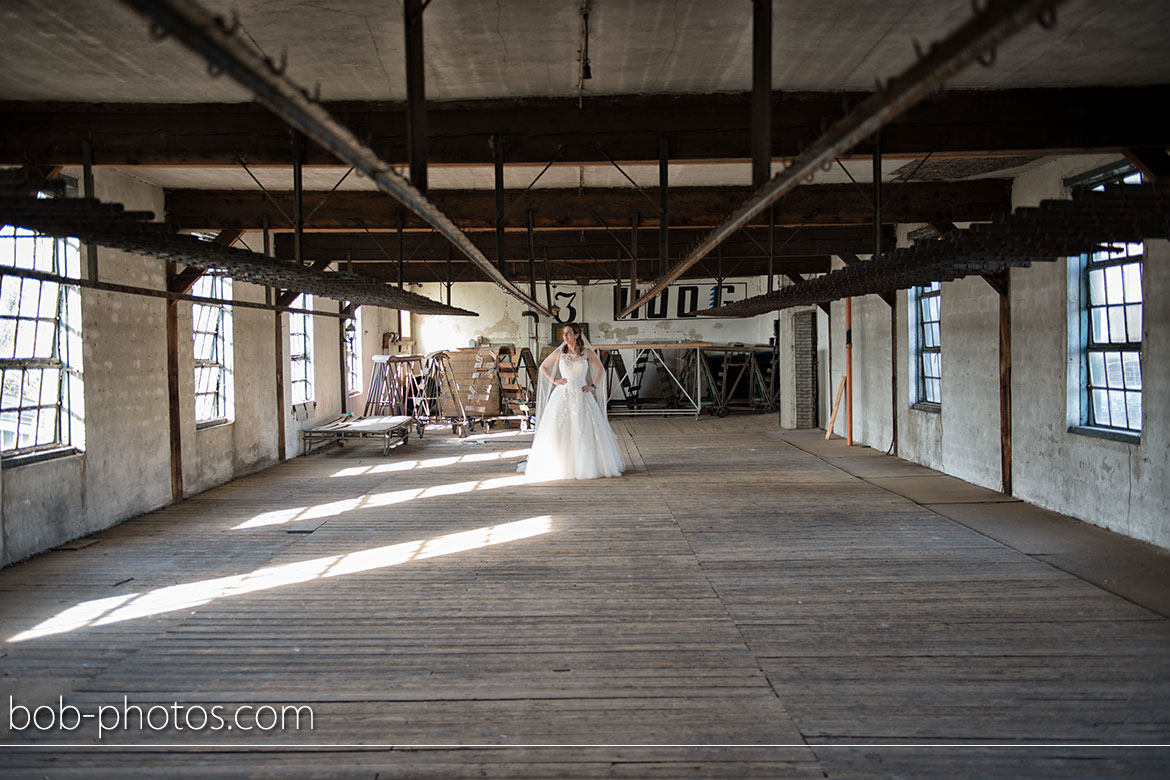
634 257
498 164
173 398
1005 384
531 259
877 193
401 250
894 373
298 155
449 282
771 248
279 357
548 284
341 322
761 140
849 371
416 105
719 275
91 256
664 224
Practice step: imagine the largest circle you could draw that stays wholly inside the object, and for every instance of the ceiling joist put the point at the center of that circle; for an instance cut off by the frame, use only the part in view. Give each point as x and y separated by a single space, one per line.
690 207
582 245
626 128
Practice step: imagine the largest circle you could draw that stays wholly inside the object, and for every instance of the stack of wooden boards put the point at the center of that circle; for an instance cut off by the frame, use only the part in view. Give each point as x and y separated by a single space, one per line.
500 381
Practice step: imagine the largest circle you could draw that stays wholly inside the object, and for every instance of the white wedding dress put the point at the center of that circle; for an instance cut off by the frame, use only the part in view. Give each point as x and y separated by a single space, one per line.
573 439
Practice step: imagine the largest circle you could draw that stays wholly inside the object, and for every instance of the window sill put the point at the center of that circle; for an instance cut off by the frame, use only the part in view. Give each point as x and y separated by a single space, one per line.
29 458
927 406
1111 434
203 426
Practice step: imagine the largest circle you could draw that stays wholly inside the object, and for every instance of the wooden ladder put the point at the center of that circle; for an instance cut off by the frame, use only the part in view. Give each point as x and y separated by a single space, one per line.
513 396
483 376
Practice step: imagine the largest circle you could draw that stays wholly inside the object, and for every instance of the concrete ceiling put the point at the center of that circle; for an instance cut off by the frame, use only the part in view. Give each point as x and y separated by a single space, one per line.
99 51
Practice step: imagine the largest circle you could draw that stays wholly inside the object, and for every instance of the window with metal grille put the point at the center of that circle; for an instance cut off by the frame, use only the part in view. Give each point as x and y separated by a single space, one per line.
928 346
211 329
1110 316
300 351
351 330
40 344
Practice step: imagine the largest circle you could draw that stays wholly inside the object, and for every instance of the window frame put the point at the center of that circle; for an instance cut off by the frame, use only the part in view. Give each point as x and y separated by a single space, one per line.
301 325
1084 343
66 433
924 377
222 346
353 352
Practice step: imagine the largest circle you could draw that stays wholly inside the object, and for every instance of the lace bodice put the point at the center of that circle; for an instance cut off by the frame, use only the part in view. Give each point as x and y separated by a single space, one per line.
574 368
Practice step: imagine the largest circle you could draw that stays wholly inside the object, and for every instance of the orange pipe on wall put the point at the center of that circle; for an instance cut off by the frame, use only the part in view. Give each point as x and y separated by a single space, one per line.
849 372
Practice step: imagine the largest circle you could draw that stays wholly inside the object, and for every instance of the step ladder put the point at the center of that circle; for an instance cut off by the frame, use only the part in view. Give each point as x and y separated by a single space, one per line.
483 376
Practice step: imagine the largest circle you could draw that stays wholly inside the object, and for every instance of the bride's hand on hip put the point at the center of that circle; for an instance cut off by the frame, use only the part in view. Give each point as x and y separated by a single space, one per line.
560 381
587 388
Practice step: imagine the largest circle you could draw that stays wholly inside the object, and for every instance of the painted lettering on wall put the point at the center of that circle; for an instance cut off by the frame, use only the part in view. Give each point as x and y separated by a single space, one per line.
681 300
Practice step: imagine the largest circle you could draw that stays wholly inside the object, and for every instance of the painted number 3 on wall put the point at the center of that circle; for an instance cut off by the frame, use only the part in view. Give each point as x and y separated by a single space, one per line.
566 313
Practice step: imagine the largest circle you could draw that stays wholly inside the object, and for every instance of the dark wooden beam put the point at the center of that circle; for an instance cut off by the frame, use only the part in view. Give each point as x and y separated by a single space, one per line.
286 297
705 127
183 281
834 204
889 296
583 270
416 107
761 132
173 398
580 245
1005 385
1154 162
997 282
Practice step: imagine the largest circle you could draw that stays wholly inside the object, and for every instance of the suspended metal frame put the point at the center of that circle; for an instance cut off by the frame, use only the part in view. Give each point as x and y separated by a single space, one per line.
213 39
1051 230
110 225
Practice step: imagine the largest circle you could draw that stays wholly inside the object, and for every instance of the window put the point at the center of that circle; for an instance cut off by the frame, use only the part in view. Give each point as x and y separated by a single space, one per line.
211 328
351 330
928 343
300 338
1109 313
40 345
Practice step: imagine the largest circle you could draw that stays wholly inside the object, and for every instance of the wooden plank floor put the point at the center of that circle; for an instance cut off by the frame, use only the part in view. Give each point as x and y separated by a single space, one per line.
732 607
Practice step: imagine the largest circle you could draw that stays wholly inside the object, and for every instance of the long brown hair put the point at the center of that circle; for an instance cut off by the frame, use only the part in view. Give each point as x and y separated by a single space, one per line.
577 332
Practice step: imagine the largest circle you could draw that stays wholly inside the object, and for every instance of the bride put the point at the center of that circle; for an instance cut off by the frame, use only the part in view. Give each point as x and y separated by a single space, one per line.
573 439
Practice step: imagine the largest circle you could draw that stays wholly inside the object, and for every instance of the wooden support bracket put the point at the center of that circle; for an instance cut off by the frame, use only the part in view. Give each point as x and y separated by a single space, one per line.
1153 161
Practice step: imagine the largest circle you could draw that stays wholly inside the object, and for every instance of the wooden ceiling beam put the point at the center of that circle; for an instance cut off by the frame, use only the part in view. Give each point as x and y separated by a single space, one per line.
833 204
563 270
584 246
624 127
